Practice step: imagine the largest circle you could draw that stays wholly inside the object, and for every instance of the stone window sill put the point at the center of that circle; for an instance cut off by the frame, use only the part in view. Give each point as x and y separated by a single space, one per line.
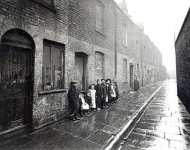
52 92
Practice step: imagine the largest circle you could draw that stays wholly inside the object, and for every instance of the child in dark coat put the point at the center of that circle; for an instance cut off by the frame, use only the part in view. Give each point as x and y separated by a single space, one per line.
98 89
104 94
108 92
73 97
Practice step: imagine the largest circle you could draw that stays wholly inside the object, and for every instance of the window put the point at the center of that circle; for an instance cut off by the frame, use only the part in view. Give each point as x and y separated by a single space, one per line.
124 37
99 65
53 63
125 69
99 16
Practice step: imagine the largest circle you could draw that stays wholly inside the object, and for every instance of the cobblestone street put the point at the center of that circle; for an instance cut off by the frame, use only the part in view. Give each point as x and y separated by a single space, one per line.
164 125
92 132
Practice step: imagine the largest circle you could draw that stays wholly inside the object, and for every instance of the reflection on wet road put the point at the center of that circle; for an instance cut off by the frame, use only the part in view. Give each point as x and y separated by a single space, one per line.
164 125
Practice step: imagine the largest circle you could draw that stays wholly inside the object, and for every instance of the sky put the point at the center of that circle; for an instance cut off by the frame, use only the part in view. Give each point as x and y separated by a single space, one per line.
162 21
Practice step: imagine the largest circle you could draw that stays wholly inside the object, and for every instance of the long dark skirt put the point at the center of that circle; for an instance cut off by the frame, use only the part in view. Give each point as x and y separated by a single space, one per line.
99 102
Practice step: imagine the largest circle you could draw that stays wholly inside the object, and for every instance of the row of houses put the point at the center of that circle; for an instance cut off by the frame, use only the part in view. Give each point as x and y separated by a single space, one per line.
45 44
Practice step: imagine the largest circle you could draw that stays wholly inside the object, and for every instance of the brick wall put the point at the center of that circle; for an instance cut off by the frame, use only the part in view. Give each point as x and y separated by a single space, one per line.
72 23
182 46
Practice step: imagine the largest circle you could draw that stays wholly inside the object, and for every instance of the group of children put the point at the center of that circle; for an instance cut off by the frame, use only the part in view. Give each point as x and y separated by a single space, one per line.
99 96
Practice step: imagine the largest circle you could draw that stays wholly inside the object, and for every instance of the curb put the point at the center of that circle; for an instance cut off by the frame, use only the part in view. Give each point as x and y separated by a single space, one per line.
134 118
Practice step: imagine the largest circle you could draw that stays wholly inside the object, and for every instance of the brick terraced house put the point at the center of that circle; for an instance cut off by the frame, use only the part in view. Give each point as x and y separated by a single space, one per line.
45 44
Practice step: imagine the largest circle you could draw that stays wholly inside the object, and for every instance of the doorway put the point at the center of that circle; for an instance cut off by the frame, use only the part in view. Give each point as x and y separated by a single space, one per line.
16 79
81 70
131 77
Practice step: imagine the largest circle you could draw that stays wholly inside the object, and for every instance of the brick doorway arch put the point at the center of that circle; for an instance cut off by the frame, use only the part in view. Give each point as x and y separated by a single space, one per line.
16 79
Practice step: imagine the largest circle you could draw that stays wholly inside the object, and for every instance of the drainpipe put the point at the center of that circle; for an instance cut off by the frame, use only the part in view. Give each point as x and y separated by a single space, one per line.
115 43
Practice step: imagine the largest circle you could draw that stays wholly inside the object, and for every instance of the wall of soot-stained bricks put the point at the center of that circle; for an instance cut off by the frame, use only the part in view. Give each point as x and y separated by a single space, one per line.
72 22
182 46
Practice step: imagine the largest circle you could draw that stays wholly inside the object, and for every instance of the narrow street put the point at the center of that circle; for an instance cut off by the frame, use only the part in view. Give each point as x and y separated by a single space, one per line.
164 125
92 132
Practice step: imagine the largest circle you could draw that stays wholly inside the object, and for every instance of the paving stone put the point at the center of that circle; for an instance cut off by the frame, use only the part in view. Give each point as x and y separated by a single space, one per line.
165 124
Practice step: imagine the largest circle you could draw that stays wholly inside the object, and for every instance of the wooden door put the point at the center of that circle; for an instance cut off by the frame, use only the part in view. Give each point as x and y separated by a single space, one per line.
131 77
80 70
15 80
99 65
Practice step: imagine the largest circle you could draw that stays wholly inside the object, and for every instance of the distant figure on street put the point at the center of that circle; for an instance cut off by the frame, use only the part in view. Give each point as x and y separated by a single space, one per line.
136 84
73 97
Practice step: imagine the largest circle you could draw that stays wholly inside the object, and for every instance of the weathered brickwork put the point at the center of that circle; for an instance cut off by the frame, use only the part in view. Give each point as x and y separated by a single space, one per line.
182 46
73 24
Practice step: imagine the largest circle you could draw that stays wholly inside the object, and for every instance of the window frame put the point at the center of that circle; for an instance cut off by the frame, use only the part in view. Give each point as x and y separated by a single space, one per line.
124 35
101 6
103 62
61 48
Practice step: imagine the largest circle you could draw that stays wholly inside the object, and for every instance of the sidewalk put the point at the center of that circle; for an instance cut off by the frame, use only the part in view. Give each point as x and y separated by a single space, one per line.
165 124
92 132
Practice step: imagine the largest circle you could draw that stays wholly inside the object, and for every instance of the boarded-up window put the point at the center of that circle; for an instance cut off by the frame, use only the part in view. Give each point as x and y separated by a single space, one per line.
99 65
125 69
99 16
124 36
53 63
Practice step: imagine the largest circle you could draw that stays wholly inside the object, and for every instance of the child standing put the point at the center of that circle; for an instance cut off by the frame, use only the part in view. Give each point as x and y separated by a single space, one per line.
93 97
73 97
98 89
116 91
108 92
103 95
84 106
113 93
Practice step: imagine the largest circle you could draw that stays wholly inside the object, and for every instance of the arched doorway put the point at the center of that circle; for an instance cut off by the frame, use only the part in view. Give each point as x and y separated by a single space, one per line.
81 69
16 79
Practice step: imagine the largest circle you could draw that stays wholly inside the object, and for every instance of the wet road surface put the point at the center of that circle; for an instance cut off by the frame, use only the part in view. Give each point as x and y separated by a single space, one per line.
165 125
92 132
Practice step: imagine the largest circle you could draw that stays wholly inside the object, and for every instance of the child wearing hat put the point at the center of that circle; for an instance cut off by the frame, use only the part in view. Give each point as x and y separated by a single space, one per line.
104 93
98 89
73 98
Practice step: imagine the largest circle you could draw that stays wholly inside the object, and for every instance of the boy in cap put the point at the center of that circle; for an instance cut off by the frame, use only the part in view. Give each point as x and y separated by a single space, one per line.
73 97
104 93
